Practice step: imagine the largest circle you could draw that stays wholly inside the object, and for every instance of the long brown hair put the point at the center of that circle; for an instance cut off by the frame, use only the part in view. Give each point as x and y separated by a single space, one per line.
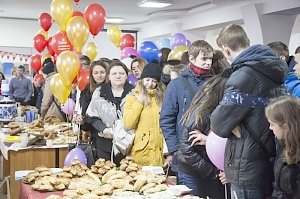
93 85
285 111
206 100
160 91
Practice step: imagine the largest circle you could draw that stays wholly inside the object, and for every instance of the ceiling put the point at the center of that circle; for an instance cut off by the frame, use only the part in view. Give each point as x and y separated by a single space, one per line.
135 17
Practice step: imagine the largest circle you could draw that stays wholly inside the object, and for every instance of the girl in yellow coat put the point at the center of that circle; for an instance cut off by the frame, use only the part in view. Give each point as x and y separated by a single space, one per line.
141 112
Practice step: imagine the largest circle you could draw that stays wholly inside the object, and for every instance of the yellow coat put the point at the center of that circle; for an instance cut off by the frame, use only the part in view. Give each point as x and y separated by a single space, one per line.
148 142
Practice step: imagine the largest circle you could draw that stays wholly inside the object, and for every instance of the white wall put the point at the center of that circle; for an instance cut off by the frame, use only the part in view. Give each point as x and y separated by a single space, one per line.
20 33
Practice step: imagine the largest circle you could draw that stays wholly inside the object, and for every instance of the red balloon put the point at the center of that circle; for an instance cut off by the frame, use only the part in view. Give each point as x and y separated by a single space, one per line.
39 42
45 21
38 78
35 62
76 1
83 78
49 47
127 40
95 16
60 43
78 13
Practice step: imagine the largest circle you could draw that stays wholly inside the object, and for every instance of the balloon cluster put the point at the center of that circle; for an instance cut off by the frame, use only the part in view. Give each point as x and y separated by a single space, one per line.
65 46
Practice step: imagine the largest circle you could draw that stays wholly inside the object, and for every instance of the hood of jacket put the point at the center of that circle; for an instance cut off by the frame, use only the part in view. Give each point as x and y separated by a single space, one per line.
261 58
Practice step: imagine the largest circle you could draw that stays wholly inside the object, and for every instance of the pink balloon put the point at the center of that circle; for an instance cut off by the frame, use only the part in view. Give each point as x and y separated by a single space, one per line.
127 51
68 107
215 149
75 154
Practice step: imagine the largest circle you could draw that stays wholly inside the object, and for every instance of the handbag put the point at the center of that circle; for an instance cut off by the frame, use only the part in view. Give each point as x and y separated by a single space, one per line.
122 138
88 149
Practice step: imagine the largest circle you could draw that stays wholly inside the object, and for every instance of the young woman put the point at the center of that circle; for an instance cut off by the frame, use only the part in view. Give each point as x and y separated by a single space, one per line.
141 112
192 156
98 76
137 66
102 110
283 115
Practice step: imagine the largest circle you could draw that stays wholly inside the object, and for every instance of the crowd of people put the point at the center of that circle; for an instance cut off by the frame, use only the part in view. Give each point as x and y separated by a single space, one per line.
247 94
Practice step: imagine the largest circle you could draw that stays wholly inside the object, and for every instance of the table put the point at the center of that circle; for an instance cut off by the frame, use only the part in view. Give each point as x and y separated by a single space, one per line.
28 159
26 192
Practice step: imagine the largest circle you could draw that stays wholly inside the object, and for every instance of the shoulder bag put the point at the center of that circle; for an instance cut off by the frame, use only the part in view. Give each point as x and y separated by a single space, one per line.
122 138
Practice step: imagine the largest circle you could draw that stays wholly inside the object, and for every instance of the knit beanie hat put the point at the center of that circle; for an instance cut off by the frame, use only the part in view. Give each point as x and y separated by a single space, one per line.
152 70
48 66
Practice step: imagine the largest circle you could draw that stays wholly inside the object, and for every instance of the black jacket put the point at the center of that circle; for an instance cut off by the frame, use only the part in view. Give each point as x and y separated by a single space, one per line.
287 179
193 159
258 72
84 101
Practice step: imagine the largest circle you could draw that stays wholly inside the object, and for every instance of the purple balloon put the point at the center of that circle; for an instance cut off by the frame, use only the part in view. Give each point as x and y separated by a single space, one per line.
68 107
188 43
215 149
132 79
126 52
178 40
75 154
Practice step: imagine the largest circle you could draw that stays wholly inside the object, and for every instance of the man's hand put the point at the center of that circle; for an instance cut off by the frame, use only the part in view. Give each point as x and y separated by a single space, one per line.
197 138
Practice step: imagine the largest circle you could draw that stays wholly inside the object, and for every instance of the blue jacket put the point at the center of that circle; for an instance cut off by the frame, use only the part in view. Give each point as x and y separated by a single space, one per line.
176 101
292 83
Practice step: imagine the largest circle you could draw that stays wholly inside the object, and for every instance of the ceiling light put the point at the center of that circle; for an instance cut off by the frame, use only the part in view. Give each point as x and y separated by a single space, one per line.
154 4
114 19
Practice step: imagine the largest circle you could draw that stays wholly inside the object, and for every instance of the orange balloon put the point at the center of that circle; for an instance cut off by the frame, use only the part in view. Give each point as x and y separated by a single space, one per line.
68 65
61 11
78 32
59 89
91 51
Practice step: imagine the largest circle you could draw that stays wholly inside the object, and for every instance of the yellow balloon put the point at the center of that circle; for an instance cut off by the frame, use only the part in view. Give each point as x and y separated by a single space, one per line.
45 56
114 34
44 33
59 89
61 11
177 52
78 32
68 65
91 50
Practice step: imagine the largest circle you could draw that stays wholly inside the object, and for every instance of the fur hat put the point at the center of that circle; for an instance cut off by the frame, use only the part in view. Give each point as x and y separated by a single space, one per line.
48 66
152 70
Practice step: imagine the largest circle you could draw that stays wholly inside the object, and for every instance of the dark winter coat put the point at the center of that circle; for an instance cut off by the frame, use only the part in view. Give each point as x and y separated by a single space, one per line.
258 72
176 101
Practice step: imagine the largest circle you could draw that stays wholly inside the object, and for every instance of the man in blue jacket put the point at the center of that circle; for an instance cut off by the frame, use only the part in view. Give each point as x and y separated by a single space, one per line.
177 100
257 76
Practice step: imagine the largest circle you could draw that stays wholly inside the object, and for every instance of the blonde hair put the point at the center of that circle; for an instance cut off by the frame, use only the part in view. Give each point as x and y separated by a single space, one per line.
160 91
285 111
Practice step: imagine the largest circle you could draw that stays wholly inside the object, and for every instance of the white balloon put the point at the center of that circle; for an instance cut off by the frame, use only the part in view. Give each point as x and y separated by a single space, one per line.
127 61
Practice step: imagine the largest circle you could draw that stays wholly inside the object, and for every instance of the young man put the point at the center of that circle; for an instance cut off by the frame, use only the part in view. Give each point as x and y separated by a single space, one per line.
292 83
257 76
177 99
20 87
